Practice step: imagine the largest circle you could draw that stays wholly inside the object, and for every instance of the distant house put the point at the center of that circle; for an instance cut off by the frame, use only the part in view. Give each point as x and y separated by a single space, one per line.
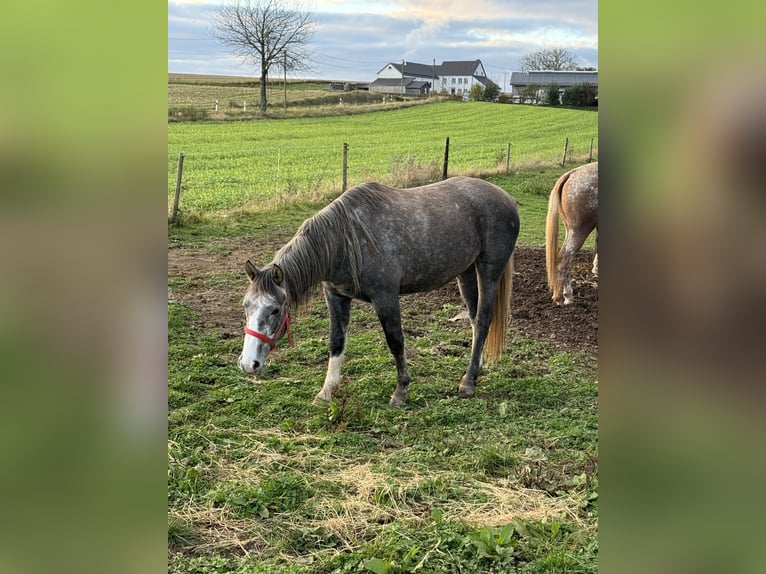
530 86
414 79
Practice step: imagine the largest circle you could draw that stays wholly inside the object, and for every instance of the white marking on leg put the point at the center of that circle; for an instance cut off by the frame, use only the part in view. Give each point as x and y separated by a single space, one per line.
332 380
568 299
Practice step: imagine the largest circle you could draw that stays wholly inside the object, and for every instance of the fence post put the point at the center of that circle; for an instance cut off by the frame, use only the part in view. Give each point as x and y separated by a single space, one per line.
179 174
344 183
508 159
446 159
590 155
564 157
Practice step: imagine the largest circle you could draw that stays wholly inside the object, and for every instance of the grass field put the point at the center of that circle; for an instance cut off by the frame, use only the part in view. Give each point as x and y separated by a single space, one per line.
236 165
192 96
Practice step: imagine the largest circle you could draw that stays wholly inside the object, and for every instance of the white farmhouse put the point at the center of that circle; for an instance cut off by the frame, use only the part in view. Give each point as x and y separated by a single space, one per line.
414 79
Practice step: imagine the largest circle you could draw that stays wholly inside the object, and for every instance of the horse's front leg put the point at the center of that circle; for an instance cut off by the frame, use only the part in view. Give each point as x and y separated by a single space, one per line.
340 312
390 318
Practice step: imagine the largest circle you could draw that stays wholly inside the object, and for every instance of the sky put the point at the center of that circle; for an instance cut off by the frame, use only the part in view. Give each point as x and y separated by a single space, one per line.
355 39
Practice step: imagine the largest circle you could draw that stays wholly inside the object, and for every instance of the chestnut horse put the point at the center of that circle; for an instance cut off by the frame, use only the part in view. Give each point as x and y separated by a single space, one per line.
575 198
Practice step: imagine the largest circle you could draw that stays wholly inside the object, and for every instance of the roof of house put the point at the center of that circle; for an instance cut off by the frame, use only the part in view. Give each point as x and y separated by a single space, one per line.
485 81
562 78
398 82
415 69
451 68
458 68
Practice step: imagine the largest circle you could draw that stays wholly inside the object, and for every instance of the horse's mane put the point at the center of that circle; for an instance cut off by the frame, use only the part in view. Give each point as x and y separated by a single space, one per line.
332 233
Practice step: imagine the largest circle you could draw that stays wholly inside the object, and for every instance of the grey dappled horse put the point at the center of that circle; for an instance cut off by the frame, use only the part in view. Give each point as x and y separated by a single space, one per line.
575 198
376 242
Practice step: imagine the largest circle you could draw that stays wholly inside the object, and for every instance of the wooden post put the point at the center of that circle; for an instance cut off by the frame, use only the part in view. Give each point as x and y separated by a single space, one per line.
590 156
179 174
344 183
446 159
285 67
564 158
508 159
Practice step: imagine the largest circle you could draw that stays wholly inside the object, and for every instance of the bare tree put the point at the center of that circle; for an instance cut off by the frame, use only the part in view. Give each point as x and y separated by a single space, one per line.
549 59
271 34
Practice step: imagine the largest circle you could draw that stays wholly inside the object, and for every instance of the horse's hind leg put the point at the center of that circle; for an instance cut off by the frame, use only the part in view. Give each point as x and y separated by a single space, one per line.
469 292
487 284
572 243
389 315
340 312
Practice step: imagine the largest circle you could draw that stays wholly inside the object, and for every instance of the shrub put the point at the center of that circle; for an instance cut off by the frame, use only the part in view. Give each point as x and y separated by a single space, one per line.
491 93
552 95
580 95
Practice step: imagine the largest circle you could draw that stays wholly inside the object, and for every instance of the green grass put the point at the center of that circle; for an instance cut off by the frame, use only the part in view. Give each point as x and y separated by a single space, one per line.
235 165
260 479
530 186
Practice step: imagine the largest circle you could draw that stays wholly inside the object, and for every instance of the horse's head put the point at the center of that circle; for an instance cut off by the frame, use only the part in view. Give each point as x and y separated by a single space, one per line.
267 315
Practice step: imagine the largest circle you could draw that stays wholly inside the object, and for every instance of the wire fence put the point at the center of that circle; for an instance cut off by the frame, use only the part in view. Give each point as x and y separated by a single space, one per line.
222 181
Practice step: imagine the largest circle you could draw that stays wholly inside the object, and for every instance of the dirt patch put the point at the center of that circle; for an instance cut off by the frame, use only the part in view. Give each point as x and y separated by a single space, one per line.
213 282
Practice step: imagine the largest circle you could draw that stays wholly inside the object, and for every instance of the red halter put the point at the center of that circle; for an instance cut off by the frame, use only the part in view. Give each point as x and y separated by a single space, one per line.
284 326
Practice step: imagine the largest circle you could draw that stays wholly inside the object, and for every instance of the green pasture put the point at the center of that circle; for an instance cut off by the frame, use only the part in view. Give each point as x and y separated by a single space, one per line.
235 165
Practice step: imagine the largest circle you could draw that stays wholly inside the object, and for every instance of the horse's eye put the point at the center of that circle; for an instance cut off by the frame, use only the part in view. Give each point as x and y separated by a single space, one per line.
275 311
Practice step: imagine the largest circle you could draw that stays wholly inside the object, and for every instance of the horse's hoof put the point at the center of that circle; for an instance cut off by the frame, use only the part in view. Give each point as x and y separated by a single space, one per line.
465 392
397 401
320 399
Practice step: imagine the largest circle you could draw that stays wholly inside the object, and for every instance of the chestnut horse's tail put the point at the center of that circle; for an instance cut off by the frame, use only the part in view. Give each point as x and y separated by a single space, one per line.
498 328
552 231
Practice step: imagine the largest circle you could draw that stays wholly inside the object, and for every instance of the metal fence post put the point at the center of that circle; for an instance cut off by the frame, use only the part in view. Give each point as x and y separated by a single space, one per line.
344 176
564 157
446 159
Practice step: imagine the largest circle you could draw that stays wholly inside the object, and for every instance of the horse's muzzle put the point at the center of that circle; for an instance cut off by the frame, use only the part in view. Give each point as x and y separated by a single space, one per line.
250 368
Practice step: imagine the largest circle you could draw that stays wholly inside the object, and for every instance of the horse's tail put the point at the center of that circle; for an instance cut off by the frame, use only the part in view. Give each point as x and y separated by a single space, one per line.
498 328
552 231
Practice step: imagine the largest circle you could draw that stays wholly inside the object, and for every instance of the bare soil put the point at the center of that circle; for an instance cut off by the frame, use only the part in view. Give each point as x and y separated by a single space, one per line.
213 282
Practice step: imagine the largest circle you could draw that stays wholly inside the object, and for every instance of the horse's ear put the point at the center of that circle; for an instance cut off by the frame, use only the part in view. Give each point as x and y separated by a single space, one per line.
251 270
276 273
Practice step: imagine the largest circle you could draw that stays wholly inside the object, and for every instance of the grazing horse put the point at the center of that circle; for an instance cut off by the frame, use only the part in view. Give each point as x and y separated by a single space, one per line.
375 243
575 197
